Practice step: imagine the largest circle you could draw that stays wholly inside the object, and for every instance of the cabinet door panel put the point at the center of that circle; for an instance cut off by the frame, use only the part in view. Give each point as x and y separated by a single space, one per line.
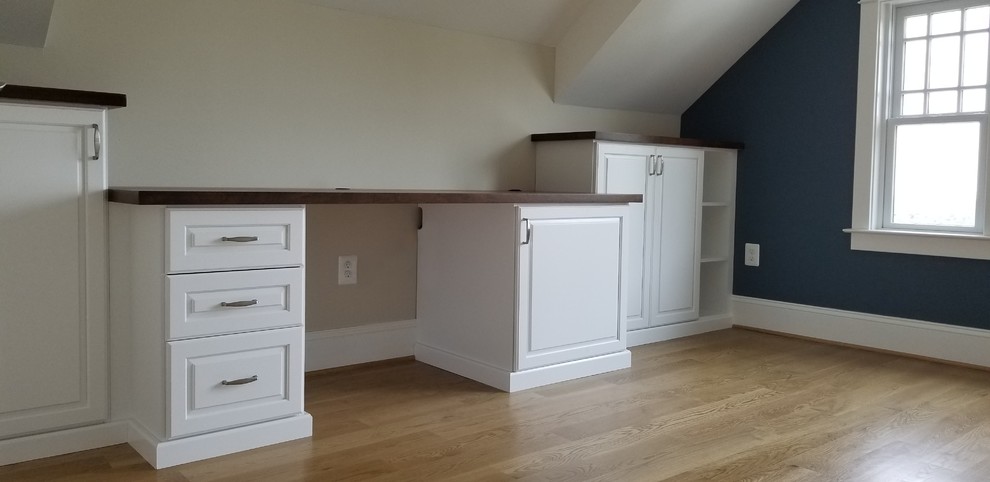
52 282
676 238
570 290
623 170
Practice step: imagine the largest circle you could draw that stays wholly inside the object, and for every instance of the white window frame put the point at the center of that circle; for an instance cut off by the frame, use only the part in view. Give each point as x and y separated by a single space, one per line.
867 231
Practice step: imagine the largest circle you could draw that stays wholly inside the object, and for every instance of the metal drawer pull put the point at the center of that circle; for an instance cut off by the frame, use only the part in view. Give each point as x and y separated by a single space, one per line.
239 304
240 381
239 239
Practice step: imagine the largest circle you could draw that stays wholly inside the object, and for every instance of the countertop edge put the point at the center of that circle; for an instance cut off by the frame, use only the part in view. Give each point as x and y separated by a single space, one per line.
637 138
204 196
47 95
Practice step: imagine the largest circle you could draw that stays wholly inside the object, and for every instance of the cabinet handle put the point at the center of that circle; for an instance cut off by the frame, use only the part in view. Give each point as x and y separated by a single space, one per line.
529 231
240 381
97 142
653 165
660 172
239 304
239 239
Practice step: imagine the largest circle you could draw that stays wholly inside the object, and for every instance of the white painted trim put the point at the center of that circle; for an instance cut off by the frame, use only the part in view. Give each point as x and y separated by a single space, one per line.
174 452
50 444
677 330
955 245
360 344
970 346
515 381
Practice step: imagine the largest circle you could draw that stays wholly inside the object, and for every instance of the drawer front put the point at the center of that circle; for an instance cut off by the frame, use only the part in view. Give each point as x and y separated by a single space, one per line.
216 239
235 301
226 381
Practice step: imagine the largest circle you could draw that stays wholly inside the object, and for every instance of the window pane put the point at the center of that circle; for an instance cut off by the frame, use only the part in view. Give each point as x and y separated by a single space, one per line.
946 22
977 18
944 69
935 171
913 104
943 102
914 64
974 100
916 26
975 58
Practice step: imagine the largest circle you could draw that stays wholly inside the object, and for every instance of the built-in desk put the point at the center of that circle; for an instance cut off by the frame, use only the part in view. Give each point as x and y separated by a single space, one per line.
514 289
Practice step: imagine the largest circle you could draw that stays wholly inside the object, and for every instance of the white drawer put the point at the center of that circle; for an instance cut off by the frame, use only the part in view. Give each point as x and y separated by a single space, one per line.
236 238
226 381
203 304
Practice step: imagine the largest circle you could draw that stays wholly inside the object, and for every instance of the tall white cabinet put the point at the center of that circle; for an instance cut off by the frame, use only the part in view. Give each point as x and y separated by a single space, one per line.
53 275
679 275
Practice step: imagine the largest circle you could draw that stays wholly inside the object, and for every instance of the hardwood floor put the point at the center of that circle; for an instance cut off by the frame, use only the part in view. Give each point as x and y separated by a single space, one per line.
732 405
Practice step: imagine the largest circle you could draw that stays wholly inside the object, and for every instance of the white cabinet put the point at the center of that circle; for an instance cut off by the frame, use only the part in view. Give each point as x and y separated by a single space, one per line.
522 296
673 277
53 274
216 308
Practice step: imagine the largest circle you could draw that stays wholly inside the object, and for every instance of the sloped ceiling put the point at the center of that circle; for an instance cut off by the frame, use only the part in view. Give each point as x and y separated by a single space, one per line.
25 22
644 55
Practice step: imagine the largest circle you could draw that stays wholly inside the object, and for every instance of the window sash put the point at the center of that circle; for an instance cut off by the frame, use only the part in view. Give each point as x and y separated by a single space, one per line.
892 118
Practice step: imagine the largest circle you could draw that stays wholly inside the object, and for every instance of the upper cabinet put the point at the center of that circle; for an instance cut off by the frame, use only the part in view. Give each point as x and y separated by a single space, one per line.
679 272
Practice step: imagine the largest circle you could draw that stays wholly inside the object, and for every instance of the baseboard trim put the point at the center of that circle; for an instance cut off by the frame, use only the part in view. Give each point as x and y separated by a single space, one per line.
162 454
678 330
509 381
962 345
62 442
361 344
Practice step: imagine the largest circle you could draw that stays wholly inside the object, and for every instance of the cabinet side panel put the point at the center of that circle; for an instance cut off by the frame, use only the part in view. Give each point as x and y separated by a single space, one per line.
565 166
466 281
148 317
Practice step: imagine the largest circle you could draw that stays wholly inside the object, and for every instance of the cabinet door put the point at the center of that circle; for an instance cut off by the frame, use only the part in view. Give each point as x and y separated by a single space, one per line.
570 278
623 169
53 281
676 201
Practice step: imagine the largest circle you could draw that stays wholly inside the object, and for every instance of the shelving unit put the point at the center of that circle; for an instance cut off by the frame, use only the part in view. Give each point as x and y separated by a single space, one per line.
717 227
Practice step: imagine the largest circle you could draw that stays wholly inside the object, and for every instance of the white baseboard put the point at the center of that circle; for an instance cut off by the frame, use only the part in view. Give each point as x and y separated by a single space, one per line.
677 330
62 442
162 454
361 344
970 346
514 381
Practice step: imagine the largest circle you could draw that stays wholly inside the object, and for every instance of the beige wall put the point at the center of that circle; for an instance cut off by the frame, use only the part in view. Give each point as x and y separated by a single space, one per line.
279 93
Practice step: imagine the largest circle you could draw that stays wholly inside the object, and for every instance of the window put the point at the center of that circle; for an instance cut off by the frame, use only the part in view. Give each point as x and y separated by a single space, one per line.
922 128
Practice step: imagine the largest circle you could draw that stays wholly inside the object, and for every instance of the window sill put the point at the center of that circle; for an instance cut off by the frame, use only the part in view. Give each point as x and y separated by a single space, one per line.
953 245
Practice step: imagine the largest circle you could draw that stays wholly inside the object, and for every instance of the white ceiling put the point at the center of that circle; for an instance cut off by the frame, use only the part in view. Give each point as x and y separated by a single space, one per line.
25 22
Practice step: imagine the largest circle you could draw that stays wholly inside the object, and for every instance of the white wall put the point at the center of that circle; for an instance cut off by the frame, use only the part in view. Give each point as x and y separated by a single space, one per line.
278 93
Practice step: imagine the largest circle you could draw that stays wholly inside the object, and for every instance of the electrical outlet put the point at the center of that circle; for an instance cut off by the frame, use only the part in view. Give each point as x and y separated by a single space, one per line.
347 270
752 254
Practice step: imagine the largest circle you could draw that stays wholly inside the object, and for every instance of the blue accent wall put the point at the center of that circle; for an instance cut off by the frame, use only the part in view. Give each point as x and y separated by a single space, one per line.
792 99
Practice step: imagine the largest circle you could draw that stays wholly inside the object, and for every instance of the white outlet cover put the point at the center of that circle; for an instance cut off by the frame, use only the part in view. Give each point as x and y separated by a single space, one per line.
347 270
752 255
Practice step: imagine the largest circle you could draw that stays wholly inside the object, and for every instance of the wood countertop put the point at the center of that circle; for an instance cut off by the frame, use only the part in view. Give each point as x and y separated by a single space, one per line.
190 196
637 138
46 95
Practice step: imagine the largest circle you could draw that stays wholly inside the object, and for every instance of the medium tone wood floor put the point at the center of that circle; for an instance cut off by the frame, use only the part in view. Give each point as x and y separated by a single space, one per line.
732 405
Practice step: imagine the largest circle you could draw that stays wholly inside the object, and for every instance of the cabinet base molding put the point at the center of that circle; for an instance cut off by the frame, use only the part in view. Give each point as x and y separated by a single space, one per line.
515 381
359 344
678 330
923 339
162 454
50 444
